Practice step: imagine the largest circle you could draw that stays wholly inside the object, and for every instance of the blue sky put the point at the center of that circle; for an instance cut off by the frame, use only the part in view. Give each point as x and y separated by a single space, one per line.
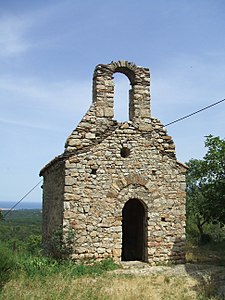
49 49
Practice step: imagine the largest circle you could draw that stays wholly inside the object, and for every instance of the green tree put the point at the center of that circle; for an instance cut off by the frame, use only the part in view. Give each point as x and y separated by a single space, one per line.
1 215
206 186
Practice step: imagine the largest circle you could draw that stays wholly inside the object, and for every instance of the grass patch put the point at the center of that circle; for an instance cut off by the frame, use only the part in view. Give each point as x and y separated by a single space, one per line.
45 278
55 287
7 265
41 266
107 287
30 276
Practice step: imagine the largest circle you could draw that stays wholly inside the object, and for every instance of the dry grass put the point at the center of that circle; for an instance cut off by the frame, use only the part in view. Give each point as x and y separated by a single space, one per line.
154 287
114 286
108 287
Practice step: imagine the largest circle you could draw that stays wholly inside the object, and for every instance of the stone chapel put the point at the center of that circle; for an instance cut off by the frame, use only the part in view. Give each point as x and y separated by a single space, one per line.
118 184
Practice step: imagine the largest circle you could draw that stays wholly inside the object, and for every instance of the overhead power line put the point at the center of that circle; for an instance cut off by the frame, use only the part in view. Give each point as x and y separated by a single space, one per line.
8 211
175 121
196 112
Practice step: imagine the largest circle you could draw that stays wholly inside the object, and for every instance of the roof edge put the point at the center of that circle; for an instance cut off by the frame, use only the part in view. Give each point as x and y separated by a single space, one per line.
183 165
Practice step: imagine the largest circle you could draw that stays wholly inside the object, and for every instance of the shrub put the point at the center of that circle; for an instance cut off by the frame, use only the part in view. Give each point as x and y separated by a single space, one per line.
7 264
37 265
92 268
41 266
62 243
33 244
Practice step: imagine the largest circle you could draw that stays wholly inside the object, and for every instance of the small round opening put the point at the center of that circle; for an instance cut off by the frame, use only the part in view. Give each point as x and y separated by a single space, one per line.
93 171
125 152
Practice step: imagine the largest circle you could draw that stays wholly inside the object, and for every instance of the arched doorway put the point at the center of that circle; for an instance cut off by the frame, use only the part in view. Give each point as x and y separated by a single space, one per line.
134 231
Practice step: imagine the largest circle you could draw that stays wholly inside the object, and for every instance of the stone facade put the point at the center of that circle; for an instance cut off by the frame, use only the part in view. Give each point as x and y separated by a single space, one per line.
118 185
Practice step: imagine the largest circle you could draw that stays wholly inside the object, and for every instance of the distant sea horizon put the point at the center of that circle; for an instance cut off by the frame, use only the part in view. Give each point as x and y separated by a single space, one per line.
6 205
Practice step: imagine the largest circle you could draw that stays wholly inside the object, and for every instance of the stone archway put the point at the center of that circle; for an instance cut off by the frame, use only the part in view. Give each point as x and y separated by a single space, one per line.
134 231
139 94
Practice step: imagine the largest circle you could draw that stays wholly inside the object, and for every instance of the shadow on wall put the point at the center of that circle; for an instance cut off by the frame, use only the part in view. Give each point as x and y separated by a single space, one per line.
177 254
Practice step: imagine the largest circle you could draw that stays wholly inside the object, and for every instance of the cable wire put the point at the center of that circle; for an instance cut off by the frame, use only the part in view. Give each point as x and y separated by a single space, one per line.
8 211
198 111
175 121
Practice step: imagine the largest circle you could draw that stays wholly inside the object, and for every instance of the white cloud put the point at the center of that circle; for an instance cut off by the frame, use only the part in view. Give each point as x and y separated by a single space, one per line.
12 35
28 101
18 32
24 124
61 94
31 29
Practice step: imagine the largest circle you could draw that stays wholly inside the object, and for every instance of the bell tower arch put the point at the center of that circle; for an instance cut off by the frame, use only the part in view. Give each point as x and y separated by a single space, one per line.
139 94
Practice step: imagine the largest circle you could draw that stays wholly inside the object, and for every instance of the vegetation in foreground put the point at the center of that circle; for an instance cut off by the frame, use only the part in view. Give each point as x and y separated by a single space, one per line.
31 277
25 274
105 287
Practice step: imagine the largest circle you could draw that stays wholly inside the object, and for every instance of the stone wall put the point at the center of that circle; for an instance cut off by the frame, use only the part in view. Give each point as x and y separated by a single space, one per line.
98 121
53 197
99 182
110 164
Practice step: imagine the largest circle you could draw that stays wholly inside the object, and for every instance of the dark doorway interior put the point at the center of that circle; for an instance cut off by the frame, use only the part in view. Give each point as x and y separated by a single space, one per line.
134 231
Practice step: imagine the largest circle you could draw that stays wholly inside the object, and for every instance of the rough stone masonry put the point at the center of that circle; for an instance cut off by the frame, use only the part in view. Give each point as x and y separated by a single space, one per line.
118 185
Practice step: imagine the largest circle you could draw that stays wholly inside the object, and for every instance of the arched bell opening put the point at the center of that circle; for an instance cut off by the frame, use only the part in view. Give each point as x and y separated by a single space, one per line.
139 93
126 71
130 75
121 97
134 231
